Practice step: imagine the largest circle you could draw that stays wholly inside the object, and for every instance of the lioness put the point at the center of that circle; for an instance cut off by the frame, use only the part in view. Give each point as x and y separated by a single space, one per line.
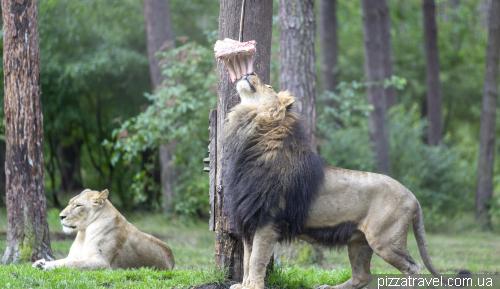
276 189
105 239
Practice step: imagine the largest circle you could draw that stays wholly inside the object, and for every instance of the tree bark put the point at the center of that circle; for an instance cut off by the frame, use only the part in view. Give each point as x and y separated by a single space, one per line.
27 229
257 25
391 94
160 37
484 189
434 102
375 93
329 44
297 31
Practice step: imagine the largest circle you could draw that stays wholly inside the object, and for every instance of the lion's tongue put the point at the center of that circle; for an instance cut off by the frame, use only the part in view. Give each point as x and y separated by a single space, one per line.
237 56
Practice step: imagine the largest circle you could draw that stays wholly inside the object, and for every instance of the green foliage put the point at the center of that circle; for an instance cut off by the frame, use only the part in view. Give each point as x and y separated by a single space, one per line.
177 114
438 176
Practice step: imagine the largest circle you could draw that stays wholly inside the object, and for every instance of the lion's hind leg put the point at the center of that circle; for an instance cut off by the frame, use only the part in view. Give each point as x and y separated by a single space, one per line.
360 255
390 245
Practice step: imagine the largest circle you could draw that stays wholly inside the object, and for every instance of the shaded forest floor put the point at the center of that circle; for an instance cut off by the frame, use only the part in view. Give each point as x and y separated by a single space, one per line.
193 247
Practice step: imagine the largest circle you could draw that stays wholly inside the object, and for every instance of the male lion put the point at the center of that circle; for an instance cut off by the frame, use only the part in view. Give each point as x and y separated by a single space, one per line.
277 189
105 239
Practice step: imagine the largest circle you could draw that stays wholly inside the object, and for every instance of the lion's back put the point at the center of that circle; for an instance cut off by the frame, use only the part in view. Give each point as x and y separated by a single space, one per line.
142 250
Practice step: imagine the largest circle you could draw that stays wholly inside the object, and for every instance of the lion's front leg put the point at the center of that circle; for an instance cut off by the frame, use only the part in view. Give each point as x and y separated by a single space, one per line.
247 250
89 264
262 248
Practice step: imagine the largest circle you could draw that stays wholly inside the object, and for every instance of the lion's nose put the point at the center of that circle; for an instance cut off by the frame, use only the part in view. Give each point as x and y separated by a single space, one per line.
62 217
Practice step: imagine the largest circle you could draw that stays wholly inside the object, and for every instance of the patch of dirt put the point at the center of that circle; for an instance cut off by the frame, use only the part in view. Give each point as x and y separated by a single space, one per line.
225 285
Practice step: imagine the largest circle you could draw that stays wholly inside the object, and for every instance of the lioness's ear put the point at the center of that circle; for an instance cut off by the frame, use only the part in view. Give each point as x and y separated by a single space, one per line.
286 98
100 198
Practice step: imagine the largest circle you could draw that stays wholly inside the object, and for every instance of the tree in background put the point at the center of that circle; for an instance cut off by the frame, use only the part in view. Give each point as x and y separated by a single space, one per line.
297 30
374 71
484 188
391 95
27 228
434 105
329 45
160 37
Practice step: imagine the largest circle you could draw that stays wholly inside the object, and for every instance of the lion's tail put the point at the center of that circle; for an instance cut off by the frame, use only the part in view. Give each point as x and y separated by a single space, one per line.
419 231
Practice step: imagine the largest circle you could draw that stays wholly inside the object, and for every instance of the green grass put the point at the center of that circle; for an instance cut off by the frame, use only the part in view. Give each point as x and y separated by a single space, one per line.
23 276
193 247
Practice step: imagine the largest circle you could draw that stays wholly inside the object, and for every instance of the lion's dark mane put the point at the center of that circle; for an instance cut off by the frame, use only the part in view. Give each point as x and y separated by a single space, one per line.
272 173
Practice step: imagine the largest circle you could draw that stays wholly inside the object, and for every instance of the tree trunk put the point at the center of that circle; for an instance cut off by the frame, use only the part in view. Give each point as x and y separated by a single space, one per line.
375 93
160 37
297 30
432 74
391 94
2 173
70 166
329 44
484 189
257 25
27 229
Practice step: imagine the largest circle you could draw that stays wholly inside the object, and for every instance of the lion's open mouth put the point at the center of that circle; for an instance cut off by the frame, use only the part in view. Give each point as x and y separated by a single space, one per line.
72 227
237 56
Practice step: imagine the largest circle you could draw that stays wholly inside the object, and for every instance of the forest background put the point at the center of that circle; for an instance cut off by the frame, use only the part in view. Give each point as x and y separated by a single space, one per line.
103 125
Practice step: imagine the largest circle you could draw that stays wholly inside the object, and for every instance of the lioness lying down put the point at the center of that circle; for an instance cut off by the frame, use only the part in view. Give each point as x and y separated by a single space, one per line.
105 239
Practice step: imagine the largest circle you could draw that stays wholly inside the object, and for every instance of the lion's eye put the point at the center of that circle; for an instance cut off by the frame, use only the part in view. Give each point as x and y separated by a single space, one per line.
77 206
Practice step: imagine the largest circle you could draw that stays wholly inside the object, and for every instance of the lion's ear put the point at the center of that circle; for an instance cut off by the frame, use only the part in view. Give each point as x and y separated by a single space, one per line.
99 198
286 98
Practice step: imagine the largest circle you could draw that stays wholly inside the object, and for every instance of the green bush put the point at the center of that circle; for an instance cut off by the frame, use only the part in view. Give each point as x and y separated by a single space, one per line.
177 115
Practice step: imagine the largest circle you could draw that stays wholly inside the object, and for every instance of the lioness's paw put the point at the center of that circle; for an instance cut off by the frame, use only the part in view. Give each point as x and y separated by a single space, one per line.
39 264
236 286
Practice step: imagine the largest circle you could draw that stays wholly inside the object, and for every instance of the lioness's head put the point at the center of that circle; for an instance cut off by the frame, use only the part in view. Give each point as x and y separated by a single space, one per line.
82 210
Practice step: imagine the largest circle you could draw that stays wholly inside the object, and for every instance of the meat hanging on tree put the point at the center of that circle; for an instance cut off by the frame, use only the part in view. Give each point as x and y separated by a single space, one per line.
237 57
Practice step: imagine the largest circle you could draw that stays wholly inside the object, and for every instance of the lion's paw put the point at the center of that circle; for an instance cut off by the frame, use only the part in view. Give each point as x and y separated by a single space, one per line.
39 264
42 264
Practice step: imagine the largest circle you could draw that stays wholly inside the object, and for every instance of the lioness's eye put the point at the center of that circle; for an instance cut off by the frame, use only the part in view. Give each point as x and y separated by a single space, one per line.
76 206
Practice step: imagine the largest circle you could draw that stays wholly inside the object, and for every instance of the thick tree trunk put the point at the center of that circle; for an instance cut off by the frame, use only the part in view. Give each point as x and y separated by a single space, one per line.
329 44
160 37
434 103
484 189
2 173
27 229
257 25
375 93
391 94
297 30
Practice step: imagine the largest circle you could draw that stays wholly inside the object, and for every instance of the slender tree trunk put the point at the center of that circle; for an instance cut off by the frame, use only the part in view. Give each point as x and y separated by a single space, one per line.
297 30
160 37
434 103
391 94
484 189
70 166
27 229
257 25
329 44
375 93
